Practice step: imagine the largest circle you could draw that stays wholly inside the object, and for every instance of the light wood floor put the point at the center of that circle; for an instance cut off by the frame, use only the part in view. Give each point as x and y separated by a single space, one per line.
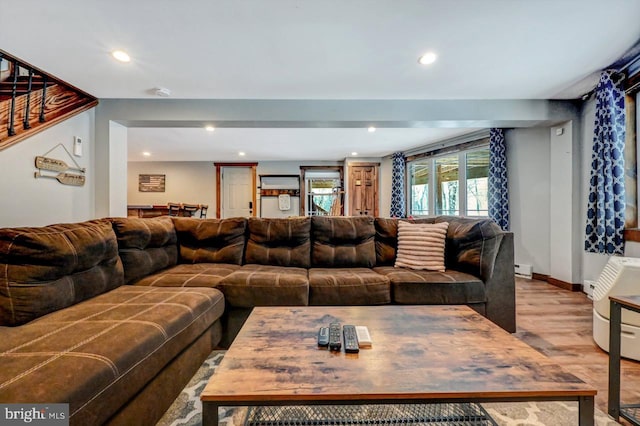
558 323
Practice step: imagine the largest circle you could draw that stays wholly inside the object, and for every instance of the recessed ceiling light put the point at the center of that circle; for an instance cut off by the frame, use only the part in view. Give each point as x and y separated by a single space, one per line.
121 55
210 128
241 154
427 58
146 154
371 129
354 153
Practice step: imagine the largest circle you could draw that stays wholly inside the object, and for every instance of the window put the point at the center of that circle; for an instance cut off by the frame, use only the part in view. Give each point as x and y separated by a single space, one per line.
478 183
450 184
322 190
322 196
419 187
447 185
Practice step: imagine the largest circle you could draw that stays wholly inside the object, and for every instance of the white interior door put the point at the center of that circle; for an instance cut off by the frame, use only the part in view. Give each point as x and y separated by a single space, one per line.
237 196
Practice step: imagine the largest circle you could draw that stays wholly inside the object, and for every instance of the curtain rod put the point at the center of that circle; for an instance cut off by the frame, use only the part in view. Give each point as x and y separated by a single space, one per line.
450 149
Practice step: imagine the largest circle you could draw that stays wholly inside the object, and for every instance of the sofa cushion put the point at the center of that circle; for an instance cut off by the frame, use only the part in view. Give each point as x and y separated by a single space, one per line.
262 285
472 245
98 354
413 287
347 286
279 242
343 242
210 240
52 267
146 245
421 245
190 275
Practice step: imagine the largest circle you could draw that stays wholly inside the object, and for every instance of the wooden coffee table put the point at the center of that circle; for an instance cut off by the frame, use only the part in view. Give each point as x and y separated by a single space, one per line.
420 354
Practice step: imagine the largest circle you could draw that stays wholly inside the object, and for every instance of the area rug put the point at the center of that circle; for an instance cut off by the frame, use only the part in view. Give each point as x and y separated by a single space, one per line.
187 408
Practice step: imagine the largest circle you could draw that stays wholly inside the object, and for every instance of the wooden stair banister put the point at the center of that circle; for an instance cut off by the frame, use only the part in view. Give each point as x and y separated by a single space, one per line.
36 100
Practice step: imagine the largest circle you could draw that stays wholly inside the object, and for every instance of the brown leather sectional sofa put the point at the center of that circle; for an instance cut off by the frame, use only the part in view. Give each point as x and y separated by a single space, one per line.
115 315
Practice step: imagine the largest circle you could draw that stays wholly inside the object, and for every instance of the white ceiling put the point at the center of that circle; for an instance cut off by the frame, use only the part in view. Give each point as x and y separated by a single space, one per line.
277 144
329 49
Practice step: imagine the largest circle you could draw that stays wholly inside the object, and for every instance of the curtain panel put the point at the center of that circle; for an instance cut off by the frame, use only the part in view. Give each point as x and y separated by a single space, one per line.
398 193
498 188
606 203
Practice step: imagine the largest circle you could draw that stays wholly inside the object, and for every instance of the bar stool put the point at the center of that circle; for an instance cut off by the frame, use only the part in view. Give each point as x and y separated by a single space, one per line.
203 210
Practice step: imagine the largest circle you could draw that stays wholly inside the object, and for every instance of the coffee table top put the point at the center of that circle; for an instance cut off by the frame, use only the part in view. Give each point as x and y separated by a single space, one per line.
419 352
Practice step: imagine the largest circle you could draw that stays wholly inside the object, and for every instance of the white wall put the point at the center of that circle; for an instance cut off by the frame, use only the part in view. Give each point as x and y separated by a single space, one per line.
26 201
528 163
384 190
192 182
561 230
118 170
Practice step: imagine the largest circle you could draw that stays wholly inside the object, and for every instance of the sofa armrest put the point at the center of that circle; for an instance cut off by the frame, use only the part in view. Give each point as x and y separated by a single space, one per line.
500 286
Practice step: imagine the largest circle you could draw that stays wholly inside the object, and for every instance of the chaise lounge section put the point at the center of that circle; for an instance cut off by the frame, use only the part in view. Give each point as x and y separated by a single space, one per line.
72 332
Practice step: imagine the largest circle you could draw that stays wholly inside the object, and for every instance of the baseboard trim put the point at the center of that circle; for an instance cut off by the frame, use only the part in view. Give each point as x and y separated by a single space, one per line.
564 285
556 282
540 277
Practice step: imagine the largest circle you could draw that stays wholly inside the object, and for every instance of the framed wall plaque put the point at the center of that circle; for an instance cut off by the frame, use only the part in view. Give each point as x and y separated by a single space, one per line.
151 183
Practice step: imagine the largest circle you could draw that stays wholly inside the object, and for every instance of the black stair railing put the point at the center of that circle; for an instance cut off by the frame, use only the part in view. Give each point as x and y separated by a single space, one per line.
12 130
20 86
18 89
27 109
44 98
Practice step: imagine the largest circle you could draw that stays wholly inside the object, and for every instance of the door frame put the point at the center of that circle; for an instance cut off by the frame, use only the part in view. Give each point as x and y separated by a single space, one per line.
219 167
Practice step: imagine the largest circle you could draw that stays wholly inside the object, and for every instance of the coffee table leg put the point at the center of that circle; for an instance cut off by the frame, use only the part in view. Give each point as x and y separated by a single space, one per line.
209 414
586 410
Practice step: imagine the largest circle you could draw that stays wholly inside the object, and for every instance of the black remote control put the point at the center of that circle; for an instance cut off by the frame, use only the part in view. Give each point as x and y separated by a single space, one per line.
323 337
350 339
335 337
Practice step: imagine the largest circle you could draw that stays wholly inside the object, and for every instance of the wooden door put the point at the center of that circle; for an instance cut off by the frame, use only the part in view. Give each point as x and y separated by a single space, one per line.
363 189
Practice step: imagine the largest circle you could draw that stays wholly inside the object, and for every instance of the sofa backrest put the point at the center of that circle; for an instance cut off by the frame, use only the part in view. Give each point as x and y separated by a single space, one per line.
471 245
145 245
343 242
386 240
279 242
52 267
210 240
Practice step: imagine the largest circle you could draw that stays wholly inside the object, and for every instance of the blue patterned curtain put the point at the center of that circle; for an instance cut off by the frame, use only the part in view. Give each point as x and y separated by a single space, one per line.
397 185
606 205
498 190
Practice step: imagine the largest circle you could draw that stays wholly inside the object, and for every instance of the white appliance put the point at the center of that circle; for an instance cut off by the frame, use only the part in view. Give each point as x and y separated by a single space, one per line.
620 277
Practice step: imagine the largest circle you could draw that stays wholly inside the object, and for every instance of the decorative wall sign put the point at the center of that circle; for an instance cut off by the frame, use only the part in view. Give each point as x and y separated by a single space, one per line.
64 178
54 165
151 183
